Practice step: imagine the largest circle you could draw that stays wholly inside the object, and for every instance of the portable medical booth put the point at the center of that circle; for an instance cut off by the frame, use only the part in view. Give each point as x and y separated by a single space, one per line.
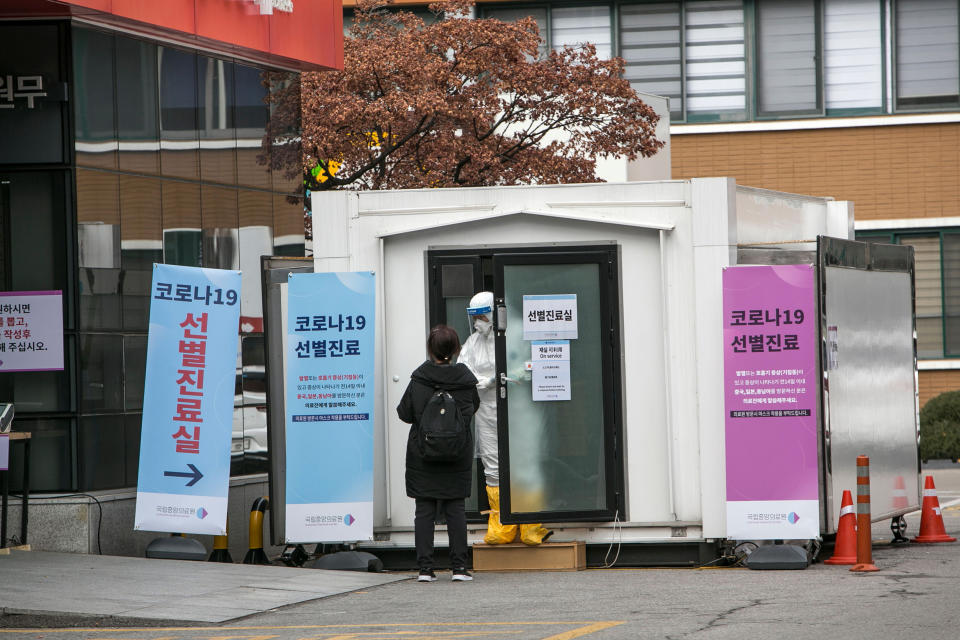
635 456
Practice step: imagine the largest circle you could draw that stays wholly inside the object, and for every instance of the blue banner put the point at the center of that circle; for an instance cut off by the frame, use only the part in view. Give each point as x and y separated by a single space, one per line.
329 358
188 400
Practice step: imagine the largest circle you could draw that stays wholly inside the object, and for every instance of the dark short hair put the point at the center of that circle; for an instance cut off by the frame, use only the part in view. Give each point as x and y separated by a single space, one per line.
443 343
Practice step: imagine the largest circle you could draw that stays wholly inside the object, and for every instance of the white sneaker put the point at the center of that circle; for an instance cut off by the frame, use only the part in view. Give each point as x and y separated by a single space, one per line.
461 575
427 575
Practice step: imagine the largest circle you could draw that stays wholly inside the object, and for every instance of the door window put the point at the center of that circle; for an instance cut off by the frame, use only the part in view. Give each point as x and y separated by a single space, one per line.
558 457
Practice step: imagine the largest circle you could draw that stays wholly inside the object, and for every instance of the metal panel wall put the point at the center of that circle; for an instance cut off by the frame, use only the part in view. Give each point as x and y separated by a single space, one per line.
274 273
870 388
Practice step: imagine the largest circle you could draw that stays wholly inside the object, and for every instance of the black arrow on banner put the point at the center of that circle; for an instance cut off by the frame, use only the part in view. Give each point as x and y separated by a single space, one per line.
194 473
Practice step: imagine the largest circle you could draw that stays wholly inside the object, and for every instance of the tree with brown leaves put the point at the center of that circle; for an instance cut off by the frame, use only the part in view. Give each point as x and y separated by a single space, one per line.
458 102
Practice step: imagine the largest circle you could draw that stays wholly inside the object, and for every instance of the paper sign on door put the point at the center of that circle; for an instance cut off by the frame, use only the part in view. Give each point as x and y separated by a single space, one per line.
551 369
552 317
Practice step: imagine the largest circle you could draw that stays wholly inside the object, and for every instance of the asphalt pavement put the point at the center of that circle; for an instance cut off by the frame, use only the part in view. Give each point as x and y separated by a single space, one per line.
915 594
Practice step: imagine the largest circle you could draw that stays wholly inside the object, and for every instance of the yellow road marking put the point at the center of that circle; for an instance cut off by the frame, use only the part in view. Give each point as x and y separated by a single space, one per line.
343 631
379 635
582 631
303 626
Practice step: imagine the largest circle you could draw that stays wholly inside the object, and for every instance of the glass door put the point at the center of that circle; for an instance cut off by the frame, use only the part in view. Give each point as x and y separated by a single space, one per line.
453 279
559 385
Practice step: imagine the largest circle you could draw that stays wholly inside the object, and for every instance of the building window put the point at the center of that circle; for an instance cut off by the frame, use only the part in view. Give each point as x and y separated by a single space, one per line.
735 60
809 57
792 39
936 287
574 26
422 12
539 15
715 63
693 53
927 64
187 189
650 45
853 57
787 60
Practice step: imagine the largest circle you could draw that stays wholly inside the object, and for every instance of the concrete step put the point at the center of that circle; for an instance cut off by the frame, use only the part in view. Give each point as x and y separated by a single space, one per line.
516 556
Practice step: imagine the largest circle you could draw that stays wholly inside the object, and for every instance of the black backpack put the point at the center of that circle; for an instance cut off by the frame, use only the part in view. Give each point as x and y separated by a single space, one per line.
443 436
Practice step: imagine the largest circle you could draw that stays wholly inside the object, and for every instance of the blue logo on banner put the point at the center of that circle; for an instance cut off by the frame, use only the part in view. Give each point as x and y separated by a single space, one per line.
190 375
330 388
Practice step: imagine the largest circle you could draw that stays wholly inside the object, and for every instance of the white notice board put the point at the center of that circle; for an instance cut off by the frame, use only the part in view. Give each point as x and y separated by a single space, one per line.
550 361
31 331
550 317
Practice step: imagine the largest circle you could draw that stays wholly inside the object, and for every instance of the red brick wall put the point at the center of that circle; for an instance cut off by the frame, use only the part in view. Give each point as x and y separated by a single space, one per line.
901 171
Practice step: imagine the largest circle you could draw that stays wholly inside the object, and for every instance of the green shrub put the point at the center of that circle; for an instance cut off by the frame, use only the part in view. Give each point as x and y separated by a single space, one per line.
940 427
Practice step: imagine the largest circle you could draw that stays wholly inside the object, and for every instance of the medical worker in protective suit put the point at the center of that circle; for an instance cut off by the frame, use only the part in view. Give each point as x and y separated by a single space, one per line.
479 355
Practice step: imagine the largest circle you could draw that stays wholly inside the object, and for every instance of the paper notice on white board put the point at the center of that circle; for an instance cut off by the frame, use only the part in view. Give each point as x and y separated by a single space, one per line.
550 317
550 361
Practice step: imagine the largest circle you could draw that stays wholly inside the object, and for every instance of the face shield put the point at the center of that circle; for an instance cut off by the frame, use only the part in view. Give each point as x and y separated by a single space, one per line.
480 307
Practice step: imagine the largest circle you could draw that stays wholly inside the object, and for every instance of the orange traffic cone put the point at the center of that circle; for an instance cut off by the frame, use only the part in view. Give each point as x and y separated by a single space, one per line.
931 522
899 494
845 547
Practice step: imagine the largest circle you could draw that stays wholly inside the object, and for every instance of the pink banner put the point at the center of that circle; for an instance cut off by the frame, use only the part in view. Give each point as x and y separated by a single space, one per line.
770 385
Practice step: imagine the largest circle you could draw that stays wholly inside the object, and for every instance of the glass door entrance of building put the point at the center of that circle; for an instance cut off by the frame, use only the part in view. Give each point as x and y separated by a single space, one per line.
558 392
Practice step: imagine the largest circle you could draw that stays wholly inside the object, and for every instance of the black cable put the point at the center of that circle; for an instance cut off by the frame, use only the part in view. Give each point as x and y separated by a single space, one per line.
72 495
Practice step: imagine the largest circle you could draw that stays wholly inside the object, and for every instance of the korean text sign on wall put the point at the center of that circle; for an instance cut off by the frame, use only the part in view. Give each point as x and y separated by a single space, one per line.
31 331
329 404
550 317
770 387
188 404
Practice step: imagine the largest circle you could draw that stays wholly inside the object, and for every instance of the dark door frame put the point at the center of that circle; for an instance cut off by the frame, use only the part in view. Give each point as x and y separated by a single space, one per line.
608 258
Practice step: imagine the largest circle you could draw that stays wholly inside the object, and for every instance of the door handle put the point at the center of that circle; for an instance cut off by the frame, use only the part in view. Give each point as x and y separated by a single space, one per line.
503 379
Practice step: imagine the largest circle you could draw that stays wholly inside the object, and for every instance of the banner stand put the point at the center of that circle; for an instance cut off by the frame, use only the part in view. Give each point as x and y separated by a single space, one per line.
779 556
184 472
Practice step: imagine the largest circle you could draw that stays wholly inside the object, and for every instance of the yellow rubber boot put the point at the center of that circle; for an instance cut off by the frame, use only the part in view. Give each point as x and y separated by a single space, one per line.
497 533
534 534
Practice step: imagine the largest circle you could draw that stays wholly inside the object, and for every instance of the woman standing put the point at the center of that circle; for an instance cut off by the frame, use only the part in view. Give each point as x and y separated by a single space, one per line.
439 486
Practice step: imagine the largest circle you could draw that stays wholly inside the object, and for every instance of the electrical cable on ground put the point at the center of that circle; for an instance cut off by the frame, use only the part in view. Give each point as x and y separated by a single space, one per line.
735 557
617 527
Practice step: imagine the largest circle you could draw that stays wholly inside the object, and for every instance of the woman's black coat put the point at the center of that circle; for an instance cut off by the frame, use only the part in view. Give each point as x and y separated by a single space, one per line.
429 479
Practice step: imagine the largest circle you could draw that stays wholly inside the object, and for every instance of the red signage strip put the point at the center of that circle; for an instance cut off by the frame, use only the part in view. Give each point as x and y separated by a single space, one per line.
307 37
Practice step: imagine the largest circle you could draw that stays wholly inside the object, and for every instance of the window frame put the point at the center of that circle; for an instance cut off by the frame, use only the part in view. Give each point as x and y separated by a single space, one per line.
749 83
885 72
892 58
888 99
483 11
894 236
618 46
818 37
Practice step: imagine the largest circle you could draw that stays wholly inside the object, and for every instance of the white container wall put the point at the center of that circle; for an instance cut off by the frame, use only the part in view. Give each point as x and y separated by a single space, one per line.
673 239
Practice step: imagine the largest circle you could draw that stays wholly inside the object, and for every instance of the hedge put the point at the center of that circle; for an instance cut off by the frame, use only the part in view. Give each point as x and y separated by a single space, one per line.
940 427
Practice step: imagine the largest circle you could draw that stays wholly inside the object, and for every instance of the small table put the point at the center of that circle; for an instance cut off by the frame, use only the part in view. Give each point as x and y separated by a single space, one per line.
23 438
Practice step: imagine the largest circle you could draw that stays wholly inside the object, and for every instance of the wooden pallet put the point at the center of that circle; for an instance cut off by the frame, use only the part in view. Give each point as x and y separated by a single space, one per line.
516 556
5 551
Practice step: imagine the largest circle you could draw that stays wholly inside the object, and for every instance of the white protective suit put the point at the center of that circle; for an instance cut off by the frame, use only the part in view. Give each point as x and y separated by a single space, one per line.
479 354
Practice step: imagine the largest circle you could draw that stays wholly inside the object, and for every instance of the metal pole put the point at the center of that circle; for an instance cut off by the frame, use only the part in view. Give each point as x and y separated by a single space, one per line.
864 549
